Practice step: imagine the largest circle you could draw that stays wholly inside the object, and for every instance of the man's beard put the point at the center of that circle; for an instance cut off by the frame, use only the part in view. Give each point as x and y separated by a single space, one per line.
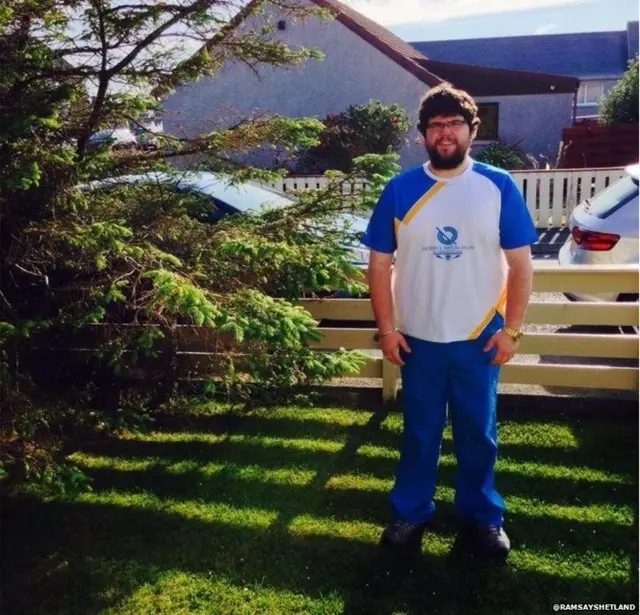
451 161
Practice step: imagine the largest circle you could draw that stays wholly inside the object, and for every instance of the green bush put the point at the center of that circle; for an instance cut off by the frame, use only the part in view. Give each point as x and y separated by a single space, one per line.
373 128
620 104
505 156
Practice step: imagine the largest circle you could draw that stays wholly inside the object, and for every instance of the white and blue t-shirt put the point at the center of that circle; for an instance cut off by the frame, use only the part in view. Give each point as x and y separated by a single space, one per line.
450 271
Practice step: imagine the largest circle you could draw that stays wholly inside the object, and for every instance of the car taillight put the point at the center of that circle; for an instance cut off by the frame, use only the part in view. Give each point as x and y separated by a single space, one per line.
594 240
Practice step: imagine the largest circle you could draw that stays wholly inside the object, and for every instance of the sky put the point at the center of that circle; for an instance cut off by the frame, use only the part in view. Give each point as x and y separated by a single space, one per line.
421 20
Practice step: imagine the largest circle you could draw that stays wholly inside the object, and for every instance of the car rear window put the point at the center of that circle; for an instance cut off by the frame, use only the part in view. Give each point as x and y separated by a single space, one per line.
613 198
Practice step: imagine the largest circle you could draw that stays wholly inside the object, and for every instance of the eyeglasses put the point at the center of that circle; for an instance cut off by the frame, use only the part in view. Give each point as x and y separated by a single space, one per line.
440 126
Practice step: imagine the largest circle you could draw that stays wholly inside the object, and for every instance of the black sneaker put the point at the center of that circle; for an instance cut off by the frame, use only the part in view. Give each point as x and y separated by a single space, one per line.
401 533
489 540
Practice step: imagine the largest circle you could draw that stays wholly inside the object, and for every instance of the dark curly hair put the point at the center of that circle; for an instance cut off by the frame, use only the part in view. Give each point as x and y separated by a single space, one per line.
444 99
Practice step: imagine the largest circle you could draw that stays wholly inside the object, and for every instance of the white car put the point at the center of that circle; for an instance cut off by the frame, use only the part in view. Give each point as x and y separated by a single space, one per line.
604 231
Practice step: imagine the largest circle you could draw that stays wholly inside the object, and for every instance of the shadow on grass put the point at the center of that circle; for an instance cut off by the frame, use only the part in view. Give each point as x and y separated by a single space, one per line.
80 558
84 558
600 446
238 455
357 505
459 584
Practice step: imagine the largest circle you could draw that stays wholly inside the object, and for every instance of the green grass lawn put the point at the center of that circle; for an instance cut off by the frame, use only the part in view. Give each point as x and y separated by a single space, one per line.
279 511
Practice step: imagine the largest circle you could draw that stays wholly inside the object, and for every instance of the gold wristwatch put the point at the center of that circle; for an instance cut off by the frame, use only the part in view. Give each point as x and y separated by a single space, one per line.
514 334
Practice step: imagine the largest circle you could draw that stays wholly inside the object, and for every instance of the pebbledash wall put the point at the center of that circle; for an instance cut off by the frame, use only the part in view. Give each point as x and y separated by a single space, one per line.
537 121
352 72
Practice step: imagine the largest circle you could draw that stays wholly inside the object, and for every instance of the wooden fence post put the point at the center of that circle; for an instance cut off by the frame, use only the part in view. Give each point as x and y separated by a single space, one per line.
390 373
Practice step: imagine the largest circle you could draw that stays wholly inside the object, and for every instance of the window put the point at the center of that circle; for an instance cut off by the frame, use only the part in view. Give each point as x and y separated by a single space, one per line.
488 114
590 92
618 194
593 93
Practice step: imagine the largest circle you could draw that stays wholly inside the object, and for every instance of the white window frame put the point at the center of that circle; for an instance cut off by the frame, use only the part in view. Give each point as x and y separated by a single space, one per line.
582 93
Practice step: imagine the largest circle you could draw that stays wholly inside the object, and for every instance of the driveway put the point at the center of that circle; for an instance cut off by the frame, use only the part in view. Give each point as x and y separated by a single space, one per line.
549 243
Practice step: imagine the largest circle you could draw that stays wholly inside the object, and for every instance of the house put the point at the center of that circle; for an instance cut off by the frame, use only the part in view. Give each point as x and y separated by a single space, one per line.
364 61
598 59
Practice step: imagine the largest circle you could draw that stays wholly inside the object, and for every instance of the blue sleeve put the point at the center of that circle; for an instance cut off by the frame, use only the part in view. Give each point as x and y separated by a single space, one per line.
380 234
516 225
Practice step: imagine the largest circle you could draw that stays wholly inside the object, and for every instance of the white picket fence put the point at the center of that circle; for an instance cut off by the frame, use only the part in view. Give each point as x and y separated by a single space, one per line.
550 195
313 182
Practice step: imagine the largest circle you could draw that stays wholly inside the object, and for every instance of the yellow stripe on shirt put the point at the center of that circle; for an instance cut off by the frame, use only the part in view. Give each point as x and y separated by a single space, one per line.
415 208
501 306
498 306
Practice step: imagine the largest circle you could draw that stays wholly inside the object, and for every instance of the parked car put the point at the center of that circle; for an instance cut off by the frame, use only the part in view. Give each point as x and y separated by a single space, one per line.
147 139
604 231
245 198
118 138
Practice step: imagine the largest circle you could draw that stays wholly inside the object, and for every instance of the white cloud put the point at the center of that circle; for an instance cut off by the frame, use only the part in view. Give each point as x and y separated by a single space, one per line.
398 12
545 28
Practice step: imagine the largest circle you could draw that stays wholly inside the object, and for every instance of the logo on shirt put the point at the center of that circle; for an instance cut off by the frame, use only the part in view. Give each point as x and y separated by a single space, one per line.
447 246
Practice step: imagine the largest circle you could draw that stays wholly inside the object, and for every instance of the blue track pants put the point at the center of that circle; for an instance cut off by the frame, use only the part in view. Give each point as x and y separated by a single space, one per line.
457 375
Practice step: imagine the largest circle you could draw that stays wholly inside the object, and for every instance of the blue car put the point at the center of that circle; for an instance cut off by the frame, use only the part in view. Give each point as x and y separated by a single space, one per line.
246 198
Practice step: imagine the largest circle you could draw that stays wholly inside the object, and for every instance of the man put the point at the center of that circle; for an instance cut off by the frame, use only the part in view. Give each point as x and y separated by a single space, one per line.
450 314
